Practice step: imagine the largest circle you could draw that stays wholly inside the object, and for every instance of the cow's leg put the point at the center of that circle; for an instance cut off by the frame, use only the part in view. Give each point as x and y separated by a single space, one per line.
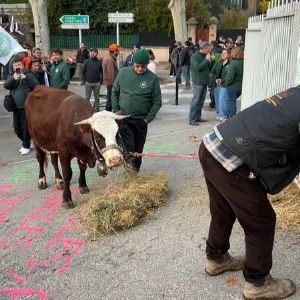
65 161
41 157
58 178
81 180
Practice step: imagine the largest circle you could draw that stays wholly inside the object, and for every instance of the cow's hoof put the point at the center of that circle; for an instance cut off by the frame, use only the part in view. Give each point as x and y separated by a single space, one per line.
84 189
42 183
59 183
68 204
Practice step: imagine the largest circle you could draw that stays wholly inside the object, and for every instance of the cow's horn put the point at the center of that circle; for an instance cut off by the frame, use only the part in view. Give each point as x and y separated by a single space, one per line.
121 117
86 121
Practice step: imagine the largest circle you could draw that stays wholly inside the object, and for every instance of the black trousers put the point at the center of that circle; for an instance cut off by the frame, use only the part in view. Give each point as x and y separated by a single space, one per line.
172 70
211 88
20 127
108 106
133 133
234 196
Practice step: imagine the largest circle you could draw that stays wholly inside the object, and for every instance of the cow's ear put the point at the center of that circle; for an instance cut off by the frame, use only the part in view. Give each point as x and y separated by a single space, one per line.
85 128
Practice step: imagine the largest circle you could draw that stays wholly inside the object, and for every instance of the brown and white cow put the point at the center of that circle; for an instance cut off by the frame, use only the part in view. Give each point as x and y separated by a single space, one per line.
65 125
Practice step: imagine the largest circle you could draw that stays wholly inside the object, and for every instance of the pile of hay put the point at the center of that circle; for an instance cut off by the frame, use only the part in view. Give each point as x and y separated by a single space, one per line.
287 207
124 203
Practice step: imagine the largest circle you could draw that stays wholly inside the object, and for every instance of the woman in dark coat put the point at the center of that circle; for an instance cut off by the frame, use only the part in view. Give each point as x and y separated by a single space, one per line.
172 67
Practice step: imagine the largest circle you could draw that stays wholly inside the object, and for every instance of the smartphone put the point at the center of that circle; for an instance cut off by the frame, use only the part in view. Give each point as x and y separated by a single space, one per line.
18 70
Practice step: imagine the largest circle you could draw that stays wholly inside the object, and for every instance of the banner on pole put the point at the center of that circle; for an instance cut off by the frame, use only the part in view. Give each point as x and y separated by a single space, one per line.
8 46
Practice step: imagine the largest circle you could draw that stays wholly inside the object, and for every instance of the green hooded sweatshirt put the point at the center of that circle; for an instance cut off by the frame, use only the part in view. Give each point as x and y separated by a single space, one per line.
60 75
137 95
200 68
234 75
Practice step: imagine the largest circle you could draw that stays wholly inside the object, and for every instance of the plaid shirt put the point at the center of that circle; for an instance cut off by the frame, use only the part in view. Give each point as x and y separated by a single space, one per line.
223 155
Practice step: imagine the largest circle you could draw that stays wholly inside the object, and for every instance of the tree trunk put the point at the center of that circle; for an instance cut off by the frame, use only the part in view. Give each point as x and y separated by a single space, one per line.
41 27
177 8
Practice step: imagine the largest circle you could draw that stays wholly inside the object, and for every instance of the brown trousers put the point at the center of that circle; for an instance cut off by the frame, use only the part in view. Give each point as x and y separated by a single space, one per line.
234 196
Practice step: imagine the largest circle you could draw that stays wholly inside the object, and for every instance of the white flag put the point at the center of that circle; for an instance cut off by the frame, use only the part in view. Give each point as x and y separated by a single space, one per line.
12 25
46 79
8 46
17 29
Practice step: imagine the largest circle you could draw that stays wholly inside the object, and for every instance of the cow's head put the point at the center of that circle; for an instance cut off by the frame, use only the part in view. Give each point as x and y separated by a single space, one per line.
104 130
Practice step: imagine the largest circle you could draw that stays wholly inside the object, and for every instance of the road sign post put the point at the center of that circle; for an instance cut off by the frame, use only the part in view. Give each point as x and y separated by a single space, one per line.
75 22
120 18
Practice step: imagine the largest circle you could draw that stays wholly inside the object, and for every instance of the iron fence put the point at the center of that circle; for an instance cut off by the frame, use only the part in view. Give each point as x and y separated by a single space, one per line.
94 40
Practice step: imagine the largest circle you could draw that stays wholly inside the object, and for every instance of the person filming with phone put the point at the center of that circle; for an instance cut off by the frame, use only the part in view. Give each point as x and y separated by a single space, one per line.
20 84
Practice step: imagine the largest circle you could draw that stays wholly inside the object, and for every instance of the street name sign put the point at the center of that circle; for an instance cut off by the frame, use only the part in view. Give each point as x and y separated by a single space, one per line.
74 26
75 22
120 17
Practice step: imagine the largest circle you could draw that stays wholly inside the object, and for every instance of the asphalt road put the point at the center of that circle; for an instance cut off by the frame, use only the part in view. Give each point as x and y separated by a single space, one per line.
46 254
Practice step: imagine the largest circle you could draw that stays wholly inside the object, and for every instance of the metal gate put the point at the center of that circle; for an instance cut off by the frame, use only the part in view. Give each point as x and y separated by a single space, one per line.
272 52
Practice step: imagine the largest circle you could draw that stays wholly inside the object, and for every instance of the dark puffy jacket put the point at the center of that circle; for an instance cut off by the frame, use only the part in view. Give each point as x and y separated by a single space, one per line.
266 137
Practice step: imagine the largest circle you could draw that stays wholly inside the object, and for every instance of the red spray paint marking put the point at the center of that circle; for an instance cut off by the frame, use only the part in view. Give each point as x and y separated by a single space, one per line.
15 277
30 232
17 293
22 236
75 190
4 188
69 247
10 203
64 257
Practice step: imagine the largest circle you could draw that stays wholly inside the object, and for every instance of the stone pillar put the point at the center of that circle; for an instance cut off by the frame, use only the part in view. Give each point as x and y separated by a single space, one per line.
192 29
212 29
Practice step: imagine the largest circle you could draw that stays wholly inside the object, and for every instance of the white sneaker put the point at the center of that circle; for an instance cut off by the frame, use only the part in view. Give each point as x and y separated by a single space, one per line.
31 146
21 149
25 151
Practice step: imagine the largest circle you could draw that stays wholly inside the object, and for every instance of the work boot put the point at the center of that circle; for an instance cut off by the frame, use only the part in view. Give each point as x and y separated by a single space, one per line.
229 263
273 288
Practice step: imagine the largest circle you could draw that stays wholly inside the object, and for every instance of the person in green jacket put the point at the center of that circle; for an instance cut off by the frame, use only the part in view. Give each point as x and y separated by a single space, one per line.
136 92
201 64
60 71
20 84
233 83
219 71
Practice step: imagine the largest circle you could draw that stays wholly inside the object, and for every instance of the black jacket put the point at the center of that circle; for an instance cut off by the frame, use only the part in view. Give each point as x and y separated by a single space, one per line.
186 56
82 55
266 137
92 70
20 88
40 76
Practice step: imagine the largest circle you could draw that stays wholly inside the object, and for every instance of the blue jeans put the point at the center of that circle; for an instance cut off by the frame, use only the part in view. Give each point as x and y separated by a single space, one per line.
223 102
217 103
229 108
199 94
186 74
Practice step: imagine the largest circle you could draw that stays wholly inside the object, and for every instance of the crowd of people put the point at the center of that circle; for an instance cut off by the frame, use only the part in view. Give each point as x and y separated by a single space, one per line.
216 66
136 78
